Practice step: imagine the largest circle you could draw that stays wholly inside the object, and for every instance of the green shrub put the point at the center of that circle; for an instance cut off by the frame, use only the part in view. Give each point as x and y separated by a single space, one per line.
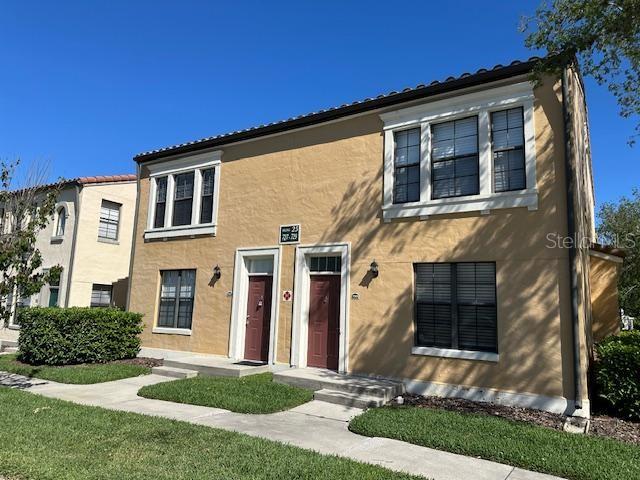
63 336
617 371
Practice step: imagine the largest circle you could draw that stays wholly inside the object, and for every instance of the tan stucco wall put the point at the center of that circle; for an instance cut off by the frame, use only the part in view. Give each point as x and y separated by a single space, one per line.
329 179
604 297
95 261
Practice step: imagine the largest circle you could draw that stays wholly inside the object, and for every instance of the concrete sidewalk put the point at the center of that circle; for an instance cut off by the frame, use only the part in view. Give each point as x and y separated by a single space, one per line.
318 426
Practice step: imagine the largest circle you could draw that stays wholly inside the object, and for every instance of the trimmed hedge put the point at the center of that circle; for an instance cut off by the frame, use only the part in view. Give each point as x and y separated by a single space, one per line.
617 372
65 336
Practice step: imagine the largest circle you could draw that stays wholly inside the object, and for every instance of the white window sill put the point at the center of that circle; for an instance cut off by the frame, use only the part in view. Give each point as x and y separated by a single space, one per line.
472 203
56 239
172 331
13 326
451 353
108 240
182 231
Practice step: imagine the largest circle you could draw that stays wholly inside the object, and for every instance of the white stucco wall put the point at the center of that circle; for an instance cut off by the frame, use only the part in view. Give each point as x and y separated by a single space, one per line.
96 261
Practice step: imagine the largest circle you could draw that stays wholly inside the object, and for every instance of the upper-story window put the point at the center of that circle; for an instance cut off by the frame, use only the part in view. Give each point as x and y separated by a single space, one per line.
61 221
454 157
206 208
161 202
474 152
183 200
109 220
184 196
507 141
406 187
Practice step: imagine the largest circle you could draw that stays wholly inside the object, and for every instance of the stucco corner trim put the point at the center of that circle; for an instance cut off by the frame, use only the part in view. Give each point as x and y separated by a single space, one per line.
452 353
171 331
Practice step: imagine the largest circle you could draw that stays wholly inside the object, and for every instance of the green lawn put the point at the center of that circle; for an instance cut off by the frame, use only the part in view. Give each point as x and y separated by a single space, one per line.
250 394
94 373
514 443
47 439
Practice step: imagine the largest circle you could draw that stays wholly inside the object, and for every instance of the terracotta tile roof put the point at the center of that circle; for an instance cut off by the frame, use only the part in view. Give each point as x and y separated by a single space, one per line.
129 177
481 76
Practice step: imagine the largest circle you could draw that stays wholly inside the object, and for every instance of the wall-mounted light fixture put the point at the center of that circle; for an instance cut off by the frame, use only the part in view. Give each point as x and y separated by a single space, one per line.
373 268
217 273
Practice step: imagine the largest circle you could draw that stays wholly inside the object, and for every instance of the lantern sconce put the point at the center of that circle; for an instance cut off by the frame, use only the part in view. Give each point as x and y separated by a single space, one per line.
217 273
373 268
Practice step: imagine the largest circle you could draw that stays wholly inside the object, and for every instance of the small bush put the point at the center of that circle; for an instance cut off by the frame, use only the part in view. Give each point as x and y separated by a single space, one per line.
64 336
618 373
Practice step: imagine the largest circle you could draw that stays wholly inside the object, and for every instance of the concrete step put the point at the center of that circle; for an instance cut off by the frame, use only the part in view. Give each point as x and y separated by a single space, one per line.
315 379
216 368
8 346
348 399
173 372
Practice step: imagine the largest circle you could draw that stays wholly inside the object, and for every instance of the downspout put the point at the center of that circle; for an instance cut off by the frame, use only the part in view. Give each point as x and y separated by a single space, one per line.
135 235
571 230
72 256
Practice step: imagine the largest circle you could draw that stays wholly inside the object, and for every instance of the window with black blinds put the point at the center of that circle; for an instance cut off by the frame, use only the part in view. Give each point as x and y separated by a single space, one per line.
183 199
176 298
206 209
161 202
507 142
406 163
454 158
456 306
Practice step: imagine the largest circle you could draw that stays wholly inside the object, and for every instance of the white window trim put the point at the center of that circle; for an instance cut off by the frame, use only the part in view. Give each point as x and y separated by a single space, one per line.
171 331
54 235
239 303
480 104
193 163
454 353
299 335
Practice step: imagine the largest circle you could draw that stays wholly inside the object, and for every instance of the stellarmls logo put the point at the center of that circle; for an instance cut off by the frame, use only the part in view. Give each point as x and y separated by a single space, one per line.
555 240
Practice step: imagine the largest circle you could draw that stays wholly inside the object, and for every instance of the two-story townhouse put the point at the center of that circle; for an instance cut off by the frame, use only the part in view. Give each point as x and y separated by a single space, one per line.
90 237
426 235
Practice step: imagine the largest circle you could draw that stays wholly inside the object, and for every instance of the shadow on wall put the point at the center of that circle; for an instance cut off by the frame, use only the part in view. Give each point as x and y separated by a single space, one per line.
534 330
119 290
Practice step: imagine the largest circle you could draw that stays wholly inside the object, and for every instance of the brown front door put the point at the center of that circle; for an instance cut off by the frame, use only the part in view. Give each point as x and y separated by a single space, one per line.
324 321
256 339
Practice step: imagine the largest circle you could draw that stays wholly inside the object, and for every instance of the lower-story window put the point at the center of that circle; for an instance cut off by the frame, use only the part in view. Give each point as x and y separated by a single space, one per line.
101 295
456 306
176 298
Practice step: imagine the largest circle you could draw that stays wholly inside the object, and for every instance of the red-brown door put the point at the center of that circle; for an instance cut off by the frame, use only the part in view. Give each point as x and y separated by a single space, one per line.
256 339
324 321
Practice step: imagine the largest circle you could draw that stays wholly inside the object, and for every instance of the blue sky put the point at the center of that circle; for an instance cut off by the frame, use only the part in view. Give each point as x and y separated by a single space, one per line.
86 85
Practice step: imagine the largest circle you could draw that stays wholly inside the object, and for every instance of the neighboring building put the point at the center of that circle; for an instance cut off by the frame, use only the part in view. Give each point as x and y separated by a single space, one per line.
90 237
409 236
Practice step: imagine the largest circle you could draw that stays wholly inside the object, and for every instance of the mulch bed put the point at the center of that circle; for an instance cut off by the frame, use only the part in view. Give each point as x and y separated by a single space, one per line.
601 425
142 361
617 428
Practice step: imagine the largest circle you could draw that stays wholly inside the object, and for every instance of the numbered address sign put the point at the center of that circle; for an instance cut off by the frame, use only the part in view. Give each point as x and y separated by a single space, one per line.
290 233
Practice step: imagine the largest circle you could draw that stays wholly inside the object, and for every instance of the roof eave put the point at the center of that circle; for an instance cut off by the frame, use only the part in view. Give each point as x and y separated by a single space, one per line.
347 110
